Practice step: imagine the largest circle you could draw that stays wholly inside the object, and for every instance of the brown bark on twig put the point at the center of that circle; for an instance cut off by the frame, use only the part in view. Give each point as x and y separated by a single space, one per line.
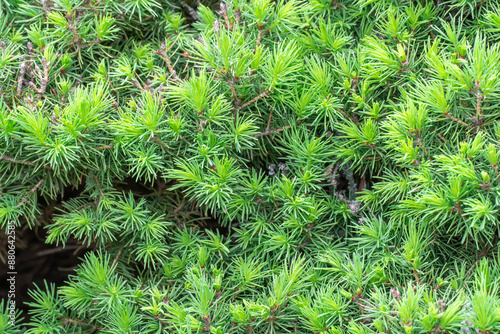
163 52
269 132
258 97
32 191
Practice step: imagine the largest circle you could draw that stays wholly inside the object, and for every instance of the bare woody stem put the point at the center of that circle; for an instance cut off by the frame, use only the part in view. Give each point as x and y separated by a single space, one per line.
163 146
163 52
3 47
259 37
454 119
439 135
99 186
20 78
258 97
236 100
479 97
269 119
354 119
32 85
104 147
44 81
192 12
136 84
234 95
26 163
115 261
44 77
415 274
223 11
479 112
358 300
272 131
482 254
32 191
9 159
81 322
372 158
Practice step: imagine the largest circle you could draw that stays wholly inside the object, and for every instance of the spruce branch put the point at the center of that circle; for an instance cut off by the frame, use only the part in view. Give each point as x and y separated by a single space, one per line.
382 176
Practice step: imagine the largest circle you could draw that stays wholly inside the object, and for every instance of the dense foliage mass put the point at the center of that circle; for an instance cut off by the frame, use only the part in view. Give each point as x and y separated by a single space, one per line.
256 166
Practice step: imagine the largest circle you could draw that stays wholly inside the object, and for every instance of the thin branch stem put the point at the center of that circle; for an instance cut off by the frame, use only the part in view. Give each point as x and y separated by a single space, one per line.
163 146
136 84
9 159
270 132
259 37
32 191
163 52
81 322
99 186
454 119
115 261
258 97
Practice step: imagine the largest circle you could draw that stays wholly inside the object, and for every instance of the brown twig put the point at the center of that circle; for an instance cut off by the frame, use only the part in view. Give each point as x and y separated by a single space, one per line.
415 274
479 98
237 16
439 135
3 46
9 159
192 12
163 52
353 118
372 158
163 146
483 253
32 85
357 298
453 118
269 119
259 37
136 84
223 12
234 95
26 163
258 97
478 106
32 191
80 322
270 132
20 78
200 124
44 81
56 250
115 261
104 147
99 186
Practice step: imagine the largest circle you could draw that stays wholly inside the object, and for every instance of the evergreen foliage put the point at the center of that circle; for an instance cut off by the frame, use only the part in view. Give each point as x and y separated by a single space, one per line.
256 166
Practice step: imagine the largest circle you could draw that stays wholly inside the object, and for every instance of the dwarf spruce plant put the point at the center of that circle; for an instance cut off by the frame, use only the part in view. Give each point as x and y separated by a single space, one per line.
256 166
